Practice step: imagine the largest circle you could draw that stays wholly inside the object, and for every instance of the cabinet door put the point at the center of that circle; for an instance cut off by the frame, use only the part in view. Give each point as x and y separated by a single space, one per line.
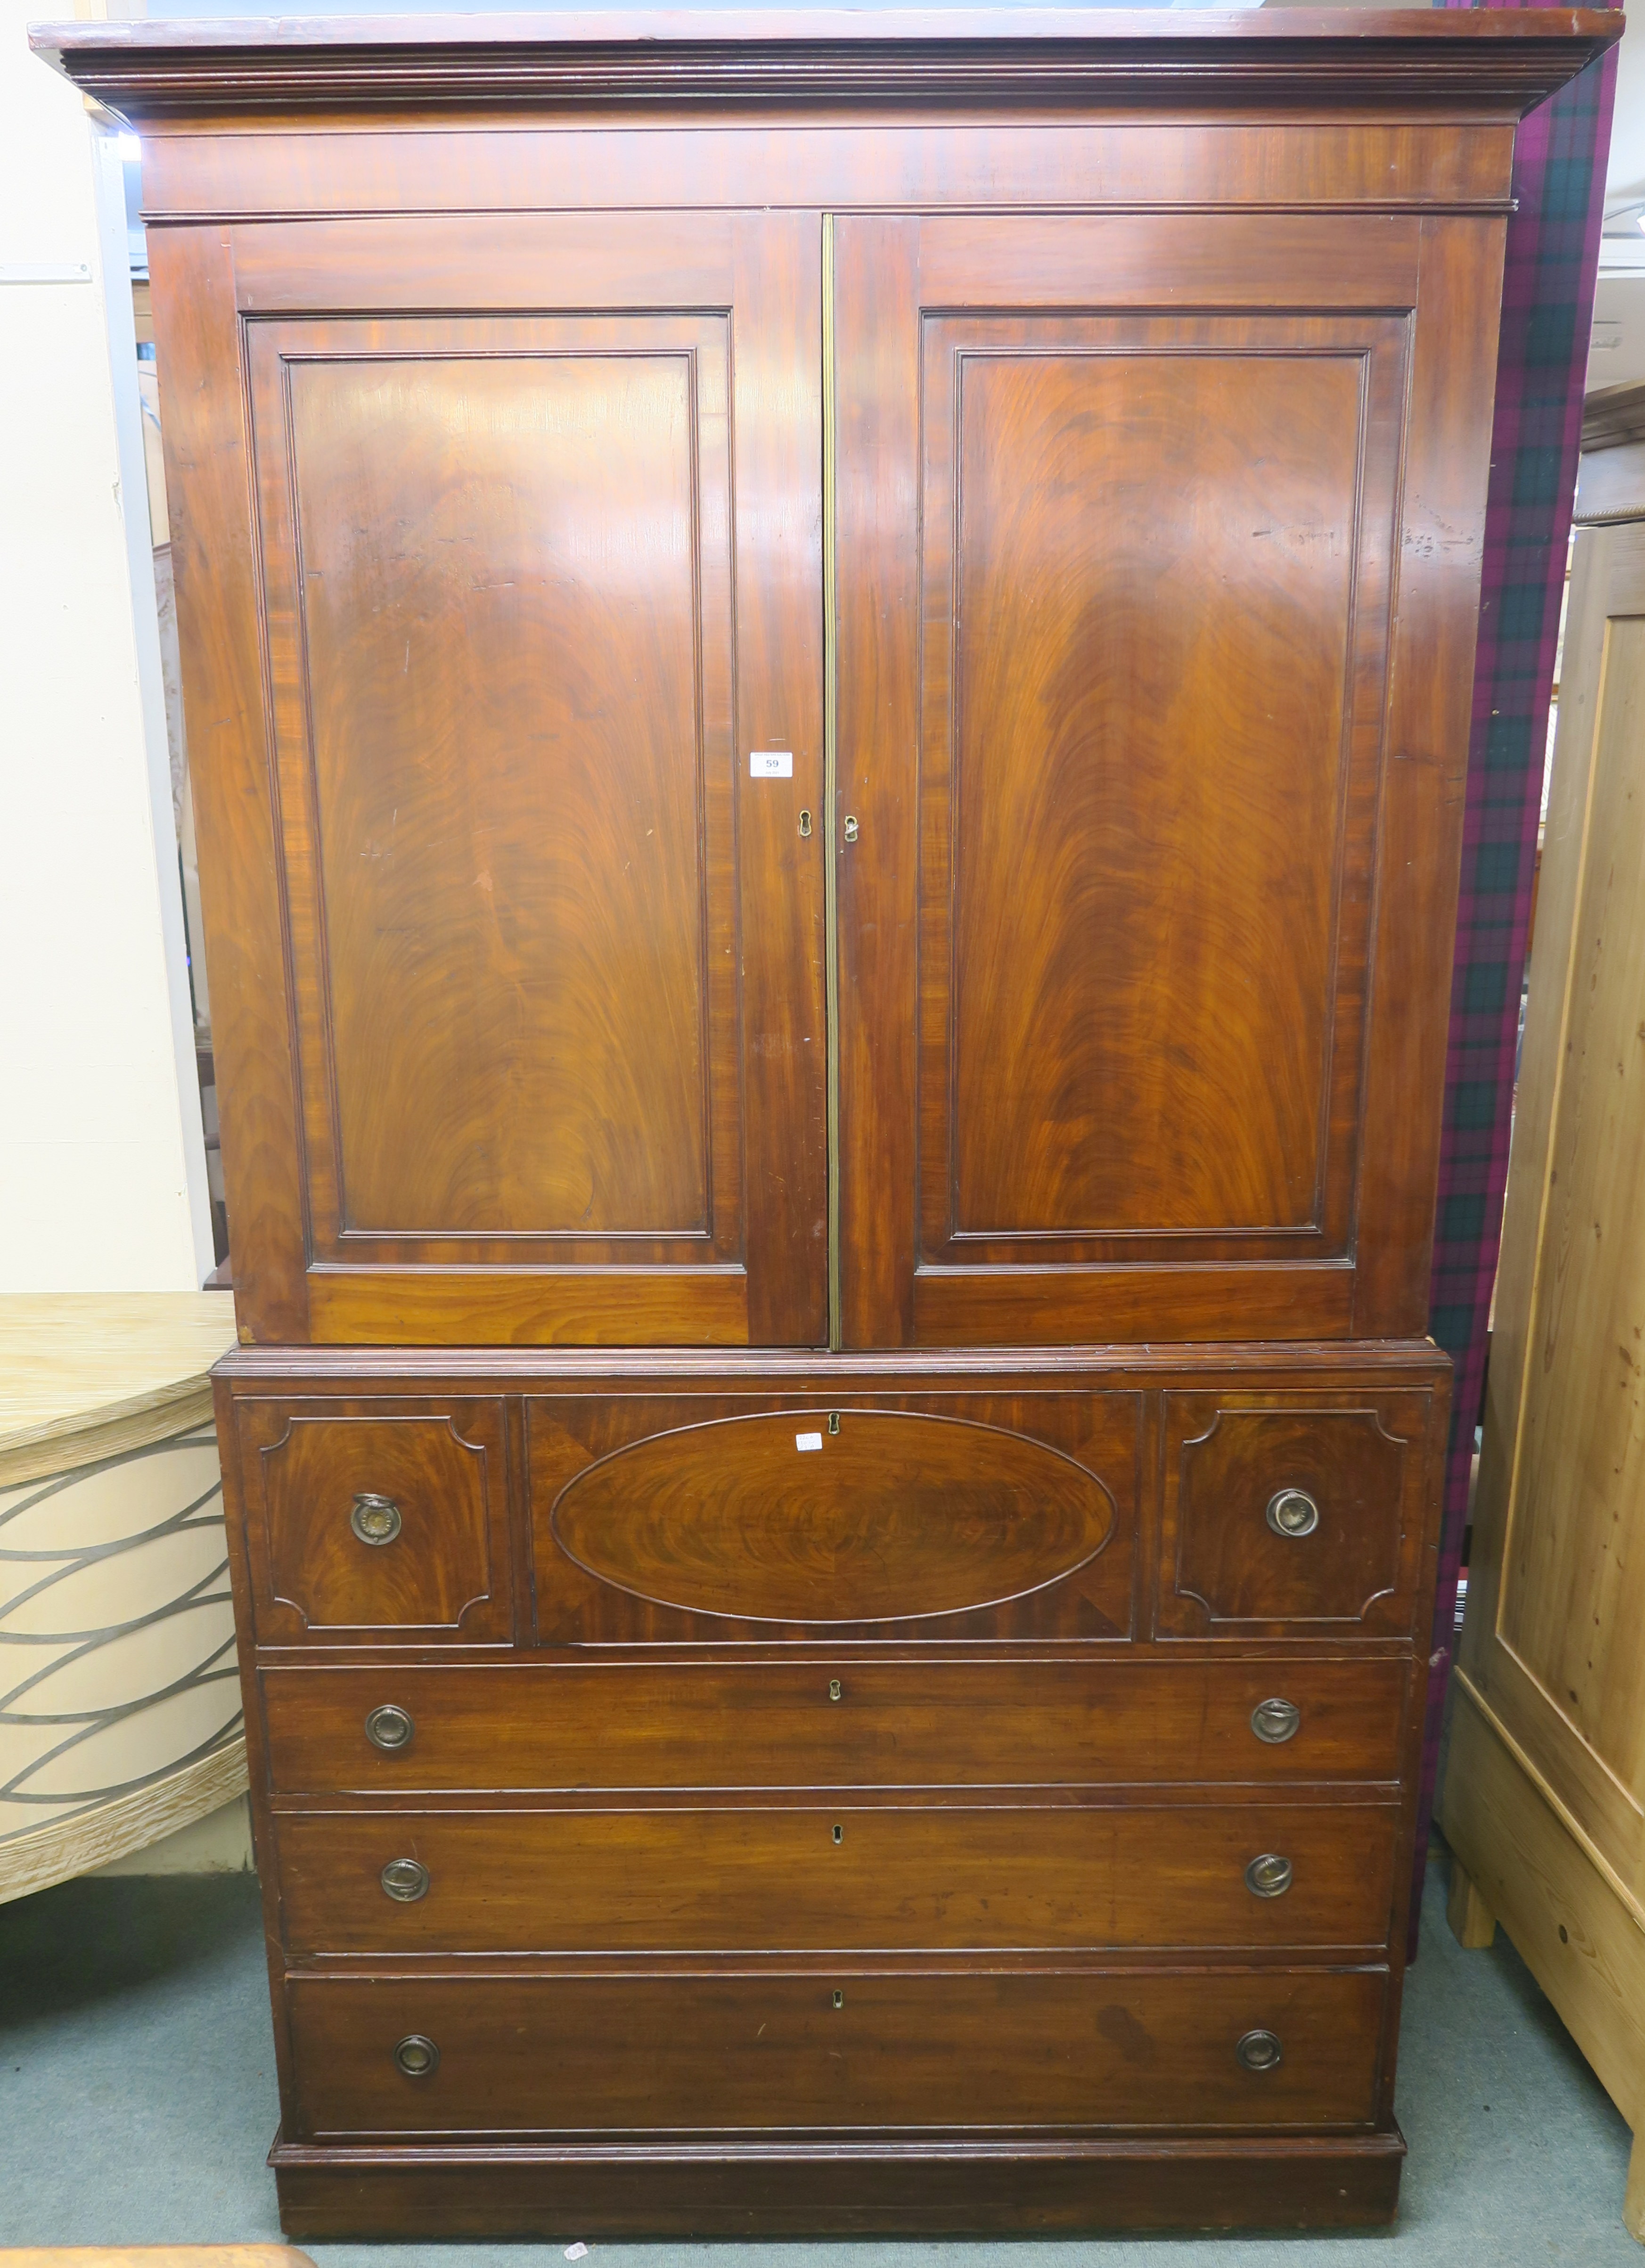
518 939
1157 571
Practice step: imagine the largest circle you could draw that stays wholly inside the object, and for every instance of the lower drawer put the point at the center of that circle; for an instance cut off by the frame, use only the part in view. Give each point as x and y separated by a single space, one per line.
774 2051
970 1721
885 1877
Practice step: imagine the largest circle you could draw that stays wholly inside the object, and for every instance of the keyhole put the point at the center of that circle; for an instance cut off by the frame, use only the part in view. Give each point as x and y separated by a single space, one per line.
839 1999
806 822
835 1688
838 1835
833 1421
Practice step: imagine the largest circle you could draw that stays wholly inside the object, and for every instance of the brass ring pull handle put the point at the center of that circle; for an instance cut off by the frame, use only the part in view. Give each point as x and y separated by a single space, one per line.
407 1879
1275 1721
389 1728
1292 1512
1268 1876
375 1518
1260 2051
417 2055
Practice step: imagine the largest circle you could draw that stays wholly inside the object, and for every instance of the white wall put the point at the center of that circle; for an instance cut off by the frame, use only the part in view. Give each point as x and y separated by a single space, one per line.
102 1167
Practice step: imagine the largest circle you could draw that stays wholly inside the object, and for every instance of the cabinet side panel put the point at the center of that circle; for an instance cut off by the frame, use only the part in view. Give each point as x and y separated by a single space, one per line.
219 603
1431 675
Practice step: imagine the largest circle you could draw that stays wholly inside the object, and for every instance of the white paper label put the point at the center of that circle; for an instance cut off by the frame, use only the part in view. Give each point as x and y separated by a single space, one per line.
771 764
808 1441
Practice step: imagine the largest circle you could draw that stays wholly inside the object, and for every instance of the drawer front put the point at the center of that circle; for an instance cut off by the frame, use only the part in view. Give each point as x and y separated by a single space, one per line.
973 1722
374 1521
1295 1514
887 1878
719 1518
833 2050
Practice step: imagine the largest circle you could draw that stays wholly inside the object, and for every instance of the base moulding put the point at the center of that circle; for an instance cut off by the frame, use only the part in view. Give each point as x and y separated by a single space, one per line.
829 2189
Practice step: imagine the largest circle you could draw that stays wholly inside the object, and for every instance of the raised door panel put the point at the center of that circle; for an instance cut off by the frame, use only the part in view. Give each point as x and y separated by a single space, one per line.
554 939
957 1516
1126 586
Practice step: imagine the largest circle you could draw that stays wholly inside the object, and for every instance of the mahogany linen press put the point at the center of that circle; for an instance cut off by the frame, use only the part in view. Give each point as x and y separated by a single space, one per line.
827 661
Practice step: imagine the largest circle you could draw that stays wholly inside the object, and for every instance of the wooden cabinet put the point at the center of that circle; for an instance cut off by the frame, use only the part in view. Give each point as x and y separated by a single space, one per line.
1543 1795
828 665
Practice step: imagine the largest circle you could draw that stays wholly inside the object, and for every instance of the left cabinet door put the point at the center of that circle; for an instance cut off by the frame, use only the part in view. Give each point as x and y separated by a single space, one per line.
499 574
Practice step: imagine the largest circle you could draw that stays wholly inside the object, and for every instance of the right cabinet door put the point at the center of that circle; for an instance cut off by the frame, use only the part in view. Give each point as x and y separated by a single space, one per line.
1157 560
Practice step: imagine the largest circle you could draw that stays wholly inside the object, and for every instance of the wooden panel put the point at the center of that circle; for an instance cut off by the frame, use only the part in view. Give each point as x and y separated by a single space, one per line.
835 2051
1131 945
444 1573
922 2188
815 1881
983 1516
499 610
507 802
1138 1106
1224 1569
503 698
973 1721
837 163
1431 676
1583 1940
1551 1642
214 560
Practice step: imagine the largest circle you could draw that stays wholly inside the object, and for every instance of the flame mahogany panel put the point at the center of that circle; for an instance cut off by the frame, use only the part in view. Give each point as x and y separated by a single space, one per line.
967 1516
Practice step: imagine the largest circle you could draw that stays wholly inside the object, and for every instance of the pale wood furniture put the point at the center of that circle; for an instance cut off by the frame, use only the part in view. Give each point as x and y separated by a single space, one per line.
828 668
113 1612
1543 1798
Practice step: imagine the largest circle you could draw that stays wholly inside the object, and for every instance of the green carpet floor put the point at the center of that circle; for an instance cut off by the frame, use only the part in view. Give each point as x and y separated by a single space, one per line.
137 2098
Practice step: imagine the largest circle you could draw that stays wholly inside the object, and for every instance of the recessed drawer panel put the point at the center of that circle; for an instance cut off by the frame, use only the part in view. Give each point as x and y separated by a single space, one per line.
885 1877
833 2050
1294 1512
843 1724
368 1521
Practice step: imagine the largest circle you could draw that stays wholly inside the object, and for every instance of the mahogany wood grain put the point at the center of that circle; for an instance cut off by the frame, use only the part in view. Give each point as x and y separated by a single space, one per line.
765 2051
703 1520
974 1720
214 559
1430 671
1138 1104
907 2187
514 832
1225 1570
814 1879
282 167
443 1574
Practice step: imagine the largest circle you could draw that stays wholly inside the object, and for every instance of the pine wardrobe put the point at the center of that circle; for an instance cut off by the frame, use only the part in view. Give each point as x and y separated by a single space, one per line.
827 662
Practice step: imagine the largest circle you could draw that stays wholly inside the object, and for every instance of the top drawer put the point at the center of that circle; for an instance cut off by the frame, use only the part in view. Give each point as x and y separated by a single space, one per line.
1295 1514
378 1519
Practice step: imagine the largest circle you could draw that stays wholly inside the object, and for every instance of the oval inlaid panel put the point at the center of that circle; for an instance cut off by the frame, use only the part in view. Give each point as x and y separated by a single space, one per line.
775 1519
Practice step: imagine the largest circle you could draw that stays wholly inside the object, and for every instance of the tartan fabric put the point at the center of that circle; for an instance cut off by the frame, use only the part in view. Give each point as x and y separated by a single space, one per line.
1547 313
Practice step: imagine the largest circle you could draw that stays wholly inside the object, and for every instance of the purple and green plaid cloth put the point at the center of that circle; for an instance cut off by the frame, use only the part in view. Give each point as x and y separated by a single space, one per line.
1547 313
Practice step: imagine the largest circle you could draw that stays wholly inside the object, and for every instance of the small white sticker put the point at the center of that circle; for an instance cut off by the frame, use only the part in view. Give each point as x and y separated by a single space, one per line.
808 1441
771 764
577 2252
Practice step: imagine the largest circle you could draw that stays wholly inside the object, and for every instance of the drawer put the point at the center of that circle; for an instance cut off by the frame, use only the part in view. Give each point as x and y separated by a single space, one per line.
831 2050
885 1877
373 1520
964 1722
715 1517
1296 1513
